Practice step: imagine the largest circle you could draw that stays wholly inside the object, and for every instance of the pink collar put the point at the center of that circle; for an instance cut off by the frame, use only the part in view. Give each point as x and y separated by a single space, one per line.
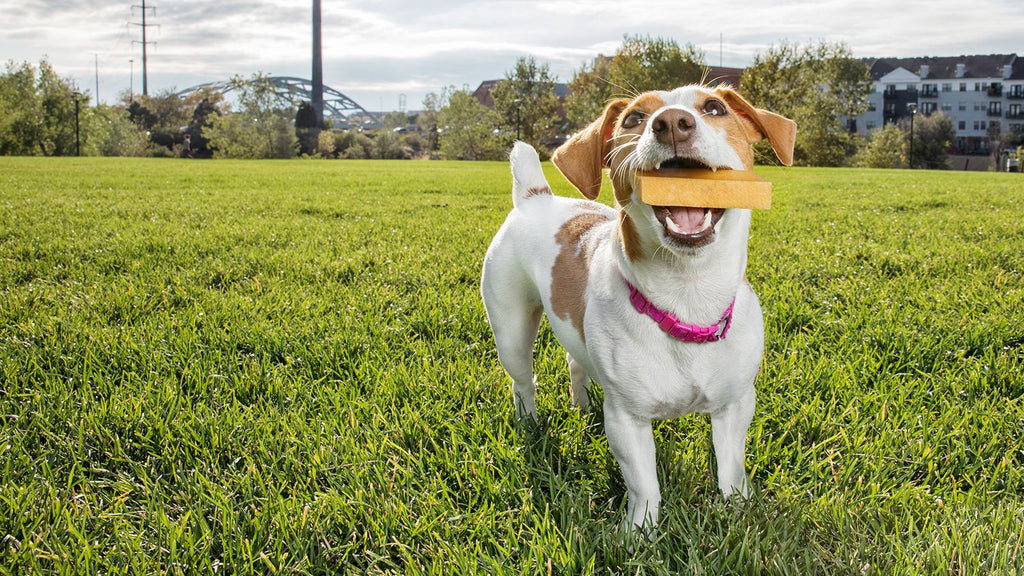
675 328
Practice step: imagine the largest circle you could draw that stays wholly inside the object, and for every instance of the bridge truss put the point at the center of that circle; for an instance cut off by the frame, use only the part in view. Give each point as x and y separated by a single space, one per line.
339 108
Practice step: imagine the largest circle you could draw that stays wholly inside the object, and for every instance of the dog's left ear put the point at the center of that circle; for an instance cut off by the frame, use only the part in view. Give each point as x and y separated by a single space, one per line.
584 156
779 130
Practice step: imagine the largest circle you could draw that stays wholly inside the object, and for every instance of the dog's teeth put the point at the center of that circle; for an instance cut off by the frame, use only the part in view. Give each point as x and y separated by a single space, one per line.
707 220
672 226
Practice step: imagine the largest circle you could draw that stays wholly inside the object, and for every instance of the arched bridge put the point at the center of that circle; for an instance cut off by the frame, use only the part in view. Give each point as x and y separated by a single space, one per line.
340 109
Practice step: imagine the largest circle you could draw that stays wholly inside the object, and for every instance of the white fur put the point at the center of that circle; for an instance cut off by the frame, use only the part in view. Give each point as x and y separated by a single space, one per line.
645 374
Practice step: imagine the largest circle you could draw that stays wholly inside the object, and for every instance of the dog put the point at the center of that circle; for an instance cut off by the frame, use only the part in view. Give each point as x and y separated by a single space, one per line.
649 301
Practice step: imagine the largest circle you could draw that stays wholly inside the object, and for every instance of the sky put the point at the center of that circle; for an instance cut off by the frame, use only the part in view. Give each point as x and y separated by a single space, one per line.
383 52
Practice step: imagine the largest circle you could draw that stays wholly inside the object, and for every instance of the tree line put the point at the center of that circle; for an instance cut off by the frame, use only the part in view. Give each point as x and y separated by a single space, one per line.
819 85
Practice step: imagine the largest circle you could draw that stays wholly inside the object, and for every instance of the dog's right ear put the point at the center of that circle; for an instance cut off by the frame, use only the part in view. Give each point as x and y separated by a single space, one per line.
584 156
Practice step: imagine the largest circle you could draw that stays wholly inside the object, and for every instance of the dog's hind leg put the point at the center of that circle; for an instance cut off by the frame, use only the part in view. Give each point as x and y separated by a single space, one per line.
580 381
514 313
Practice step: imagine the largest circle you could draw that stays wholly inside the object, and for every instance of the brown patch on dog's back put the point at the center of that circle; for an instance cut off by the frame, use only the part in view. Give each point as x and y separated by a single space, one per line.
571 269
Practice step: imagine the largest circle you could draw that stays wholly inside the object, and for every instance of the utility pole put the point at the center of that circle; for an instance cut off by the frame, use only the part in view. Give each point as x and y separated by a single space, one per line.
145 43
97 104
318 67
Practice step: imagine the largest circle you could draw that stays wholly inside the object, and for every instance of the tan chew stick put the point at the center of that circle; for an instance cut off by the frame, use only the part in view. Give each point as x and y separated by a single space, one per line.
705 189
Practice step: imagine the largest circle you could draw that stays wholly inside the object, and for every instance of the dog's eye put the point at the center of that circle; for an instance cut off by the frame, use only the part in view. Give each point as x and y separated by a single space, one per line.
714 108
632 120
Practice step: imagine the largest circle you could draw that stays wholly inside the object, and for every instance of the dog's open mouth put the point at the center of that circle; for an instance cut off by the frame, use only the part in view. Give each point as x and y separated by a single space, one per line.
678 163
690 225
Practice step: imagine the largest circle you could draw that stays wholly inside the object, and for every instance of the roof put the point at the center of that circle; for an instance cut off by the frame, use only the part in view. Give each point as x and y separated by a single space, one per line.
721 75
950 67
484 96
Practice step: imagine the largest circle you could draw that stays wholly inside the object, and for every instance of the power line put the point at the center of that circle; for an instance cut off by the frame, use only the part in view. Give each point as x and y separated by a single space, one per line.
145 43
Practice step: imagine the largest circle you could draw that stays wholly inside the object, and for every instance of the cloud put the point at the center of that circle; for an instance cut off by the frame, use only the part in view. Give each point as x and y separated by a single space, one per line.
374 50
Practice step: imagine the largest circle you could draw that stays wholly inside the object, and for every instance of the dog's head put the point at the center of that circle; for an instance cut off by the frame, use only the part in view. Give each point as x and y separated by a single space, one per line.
689 127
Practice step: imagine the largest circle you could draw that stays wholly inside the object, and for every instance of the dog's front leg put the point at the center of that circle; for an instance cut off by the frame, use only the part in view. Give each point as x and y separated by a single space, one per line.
632 443
729 435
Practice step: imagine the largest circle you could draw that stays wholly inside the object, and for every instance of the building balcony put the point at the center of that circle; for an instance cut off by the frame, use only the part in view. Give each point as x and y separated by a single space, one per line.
994 113
1015 115
995 91
910 94
929 92
1015 95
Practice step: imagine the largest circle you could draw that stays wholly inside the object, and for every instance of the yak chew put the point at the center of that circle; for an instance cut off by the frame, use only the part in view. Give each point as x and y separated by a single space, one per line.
705 189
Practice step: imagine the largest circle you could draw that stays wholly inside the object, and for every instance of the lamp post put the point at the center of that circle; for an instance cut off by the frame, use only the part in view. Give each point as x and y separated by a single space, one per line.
78 145
519 103
912 107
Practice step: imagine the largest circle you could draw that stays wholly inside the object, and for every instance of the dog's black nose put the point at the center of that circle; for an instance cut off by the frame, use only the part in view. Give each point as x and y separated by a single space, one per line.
673 126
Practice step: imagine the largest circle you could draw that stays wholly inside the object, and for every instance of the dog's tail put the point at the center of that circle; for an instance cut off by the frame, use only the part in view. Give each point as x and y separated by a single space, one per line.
527 176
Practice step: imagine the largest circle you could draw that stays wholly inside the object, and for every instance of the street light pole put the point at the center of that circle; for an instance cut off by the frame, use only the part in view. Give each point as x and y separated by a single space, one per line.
78 144
913 112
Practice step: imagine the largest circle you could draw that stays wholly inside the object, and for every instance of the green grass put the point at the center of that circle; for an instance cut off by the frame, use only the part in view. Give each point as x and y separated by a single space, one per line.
255 367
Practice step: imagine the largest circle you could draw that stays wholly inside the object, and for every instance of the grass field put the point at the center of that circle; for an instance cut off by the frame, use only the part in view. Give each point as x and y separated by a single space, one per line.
256 367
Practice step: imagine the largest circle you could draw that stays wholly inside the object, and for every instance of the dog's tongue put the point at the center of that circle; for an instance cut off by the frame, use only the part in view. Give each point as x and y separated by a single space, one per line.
687 220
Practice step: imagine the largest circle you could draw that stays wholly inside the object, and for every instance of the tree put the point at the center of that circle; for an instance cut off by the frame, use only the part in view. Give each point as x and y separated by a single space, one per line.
428 120
260 129
642 63
395 121
37 111
205 110
388 145
112 133
526 102
589 91
163 116
933 135
884 149
818 86
353 145
468 130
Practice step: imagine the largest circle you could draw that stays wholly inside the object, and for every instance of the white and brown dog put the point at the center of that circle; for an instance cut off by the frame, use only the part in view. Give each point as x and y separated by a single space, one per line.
649 301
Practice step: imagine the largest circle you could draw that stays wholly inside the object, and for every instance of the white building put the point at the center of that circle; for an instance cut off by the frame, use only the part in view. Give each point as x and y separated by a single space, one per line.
983 95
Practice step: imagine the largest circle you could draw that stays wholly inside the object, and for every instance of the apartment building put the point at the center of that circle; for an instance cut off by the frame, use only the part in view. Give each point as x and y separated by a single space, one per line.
982 94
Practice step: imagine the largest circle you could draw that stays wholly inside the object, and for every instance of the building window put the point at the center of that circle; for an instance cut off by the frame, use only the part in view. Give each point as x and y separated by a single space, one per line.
947 107
963 86
961 125
962 106
995 108
947 87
